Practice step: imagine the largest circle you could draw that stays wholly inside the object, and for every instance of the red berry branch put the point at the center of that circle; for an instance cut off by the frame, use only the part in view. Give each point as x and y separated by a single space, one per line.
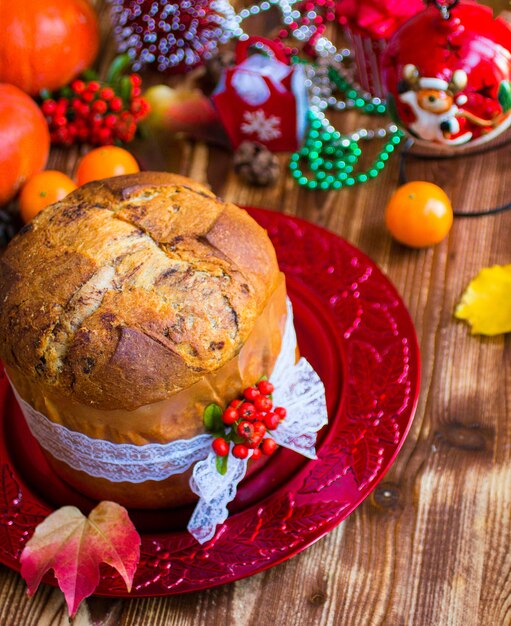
244 423
96 112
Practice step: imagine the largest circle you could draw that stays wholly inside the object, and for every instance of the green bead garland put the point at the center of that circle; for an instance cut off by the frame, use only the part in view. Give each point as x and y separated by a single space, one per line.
330 158
359 102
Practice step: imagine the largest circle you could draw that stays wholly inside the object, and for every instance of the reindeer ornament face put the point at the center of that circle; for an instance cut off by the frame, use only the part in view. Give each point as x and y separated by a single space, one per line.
435 106
448 75
434 100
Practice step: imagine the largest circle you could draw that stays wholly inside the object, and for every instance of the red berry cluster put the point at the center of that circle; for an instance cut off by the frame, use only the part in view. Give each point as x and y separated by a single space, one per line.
249 420
94 112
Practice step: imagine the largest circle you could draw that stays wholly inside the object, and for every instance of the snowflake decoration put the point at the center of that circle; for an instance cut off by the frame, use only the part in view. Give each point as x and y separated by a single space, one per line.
265 128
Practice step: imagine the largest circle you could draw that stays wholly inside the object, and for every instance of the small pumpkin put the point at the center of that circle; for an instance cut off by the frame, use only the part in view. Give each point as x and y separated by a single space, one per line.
46 43
24 140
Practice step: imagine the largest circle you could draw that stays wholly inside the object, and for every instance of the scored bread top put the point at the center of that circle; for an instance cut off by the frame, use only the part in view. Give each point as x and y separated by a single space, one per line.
131 289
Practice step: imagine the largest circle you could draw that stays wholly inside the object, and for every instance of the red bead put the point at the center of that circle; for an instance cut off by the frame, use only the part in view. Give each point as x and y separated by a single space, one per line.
48 107
99 106
136 80
256 454
220 446
229 416
110 120
93 86
144 107
259 428
107 93
262 403
62 104
87 96
63 135
280 411
269 446
115 104
245 429
255 441
271 421
84 110
240 451
251 393
78 86
247 411
265 387
96 121
136 105
105 136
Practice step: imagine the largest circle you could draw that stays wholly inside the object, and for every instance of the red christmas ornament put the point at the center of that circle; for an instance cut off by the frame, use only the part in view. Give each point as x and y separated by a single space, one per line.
447 73
175 36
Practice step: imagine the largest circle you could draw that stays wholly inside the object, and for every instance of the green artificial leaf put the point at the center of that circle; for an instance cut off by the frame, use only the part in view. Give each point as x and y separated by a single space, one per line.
213 418
504 95
235 438
125 87
117 68
89 74
66 92
221 464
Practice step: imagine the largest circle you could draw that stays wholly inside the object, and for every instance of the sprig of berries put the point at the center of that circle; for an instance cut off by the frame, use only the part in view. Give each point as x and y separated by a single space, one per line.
245 422
96 112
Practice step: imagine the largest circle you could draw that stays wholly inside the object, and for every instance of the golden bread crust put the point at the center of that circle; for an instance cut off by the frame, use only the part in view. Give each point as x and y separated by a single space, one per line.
132 289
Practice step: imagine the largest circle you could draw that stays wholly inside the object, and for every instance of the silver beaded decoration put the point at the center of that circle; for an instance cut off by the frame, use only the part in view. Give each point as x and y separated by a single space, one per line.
172 34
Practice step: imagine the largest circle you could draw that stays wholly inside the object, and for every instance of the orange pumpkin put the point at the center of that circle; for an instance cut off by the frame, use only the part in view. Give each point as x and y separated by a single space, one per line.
46 43
24 140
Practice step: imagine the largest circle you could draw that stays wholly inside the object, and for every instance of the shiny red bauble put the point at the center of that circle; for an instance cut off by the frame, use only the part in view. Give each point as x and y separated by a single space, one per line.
447 75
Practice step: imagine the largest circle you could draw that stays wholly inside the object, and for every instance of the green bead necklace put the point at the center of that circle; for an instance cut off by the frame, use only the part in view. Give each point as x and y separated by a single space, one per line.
327 160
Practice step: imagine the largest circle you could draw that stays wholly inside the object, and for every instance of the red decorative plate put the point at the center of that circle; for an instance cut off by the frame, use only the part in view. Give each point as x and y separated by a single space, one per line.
356 332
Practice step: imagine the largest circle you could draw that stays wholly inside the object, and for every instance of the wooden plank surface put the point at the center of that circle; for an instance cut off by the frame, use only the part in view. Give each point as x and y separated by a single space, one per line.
431 546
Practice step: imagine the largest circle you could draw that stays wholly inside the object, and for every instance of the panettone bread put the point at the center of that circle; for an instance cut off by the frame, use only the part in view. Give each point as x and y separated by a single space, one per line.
132 304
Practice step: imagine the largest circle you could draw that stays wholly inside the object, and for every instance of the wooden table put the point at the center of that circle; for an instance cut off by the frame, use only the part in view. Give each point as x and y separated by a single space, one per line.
431 546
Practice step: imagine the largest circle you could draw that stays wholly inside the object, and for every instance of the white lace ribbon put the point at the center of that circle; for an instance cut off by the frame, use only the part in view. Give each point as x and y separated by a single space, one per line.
117 462
215 491
297 388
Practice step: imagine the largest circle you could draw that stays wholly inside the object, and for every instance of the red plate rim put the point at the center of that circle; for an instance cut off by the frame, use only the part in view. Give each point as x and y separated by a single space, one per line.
376 344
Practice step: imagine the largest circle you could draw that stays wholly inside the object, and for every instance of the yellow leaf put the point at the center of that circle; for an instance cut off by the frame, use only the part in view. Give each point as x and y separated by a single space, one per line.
486 303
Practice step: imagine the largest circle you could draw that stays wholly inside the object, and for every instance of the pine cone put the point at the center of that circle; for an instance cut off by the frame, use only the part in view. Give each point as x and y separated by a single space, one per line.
10 224
256 165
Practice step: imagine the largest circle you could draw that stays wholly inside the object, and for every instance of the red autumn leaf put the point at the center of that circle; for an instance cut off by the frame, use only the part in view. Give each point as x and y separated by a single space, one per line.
74 546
